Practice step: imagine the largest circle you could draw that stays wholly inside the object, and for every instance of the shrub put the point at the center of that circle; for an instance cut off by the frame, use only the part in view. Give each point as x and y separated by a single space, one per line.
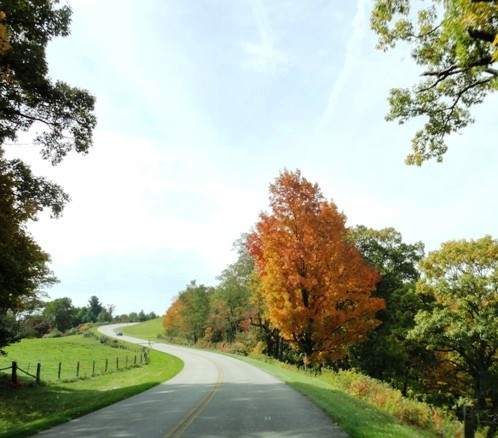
53 334
422 415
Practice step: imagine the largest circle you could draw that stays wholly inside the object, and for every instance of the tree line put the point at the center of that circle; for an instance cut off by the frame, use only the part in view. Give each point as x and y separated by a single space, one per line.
60 316
308 290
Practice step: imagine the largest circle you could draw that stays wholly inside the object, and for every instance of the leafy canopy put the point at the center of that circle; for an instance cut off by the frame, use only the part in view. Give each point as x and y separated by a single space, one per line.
23 264
462 277
315 284
386 354
61 119
456 44
61 115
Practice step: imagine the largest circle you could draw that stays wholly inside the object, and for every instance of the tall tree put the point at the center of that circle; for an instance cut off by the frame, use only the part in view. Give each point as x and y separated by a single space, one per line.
316 286
95 307
194 310
386 353
173 320
456 43
60 313
462 326
24 267
61 119
230 299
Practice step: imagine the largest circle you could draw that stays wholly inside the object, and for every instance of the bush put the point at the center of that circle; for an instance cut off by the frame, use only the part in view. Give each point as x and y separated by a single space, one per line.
413 412
53 334
73 331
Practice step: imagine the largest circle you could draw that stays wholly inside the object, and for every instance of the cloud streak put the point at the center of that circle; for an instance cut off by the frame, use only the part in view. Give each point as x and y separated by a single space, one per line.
263 57
357 36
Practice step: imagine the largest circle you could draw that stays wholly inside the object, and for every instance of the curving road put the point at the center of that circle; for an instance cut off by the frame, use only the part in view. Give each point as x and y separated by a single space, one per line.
213 396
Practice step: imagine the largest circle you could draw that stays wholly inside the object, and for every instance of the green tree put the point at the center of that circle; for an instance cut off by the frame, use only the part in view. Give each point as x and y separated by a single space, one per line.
455 42
24 267
386 354
95 307
142 316
195 310
230 299
60 313
133 317
61 119
61 115
462 325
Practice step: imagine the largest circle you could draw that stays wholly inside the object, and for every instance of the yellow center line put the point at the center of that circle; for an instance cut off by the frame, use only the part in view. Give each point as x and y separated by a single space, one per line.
190 417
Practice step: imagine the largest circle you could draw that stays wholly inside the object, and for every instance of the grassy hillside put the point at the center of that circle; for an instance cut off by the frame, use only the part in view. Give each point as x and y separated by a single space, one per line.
150 330
29 408
68 352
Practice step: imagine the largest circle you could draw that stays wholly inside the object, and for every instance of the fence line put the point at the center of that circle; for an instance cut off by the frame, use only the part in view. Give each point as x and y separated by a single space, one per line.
144 360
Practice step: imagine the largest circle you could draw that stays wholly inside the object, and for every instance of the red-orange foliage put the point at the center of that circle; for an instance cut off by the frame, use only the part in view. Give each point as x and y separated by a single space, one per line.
173 318
316 285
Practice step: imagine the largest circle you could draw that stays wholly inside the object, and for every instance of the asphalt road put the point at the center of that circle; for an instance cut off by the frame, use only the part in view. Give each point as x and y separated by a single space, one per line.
213 396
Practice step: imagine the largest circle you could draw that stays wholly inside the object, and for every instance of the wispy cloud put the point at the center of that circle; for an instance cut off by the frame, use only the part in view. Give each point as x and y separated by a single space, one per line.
360 23
263 57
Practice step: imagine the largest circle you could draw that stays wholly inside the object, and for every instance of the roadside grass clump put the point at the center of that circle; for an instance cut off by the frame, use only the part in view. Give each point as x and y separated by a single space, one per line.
28 408
358 418
365 407
419 414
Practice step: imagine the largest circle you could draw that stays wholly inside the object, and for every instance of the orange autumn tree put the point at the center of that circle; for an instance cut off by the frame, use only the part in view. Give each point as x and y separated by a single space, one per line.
316 286
173 322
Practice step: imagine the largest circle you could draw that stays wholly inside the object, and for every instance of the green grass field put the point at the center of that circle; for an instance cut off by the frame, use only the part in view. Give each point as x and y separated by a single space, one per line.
68 351
150 330
30 408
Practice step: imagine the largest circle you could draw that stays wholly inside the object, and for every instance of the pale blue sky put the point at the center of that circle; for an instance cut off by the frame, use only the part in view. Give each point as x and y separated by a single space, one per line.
201 104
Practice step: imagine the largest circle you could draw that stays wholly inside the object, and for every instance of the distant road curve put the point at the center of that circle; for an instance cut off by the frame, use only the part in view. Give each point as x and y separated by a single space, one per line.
213 396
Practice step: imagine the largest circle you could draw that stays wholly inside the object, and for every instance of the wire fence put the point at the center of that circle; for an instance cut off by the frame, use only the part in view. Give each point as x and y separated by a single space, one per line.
53 371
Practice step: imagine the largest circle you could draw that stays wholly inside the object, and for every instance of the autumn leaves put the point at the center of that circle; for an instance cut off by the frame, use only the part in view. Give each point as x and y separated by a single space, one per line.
315 287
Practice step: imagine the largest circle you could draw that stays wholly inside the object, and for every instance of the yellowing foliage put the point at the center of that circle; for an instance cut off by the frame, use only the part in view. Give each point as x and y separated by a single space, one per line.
173 320
4 34
315 284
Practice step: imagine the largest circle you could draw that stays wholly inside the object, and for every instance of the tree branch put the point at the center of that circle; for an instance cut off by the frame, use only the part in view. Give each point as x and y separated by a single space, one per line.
26 116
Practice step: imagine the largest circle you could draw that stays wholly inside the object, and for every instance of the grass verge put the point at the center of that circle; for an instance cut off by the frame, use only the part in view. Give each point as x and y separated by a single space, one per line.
358 418
30 408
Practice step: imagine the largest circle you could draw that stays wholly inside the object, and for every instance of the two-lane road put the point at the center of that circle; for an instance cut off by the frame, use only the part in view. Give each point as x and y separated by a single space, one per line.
213 396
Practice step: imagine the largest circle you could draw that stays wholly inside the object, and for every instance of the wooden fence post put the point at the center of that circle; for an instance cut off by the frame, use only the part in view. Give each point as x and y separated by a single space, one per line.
117 363
106 364
78 369
38 371
59 371
469 426
93 368
14 372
